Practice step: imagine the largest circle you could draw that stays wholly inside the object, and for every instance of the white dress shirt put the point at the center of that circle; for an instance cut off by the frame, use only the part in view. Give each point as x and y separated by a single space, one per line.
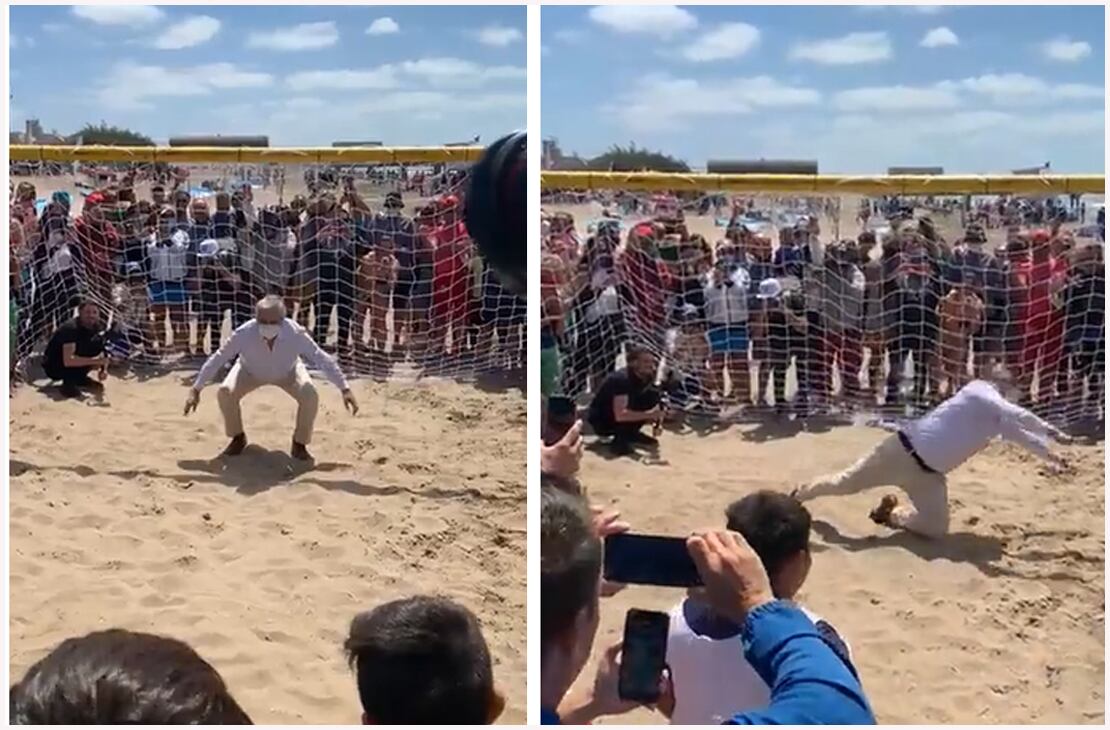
712 679
963 425
266 365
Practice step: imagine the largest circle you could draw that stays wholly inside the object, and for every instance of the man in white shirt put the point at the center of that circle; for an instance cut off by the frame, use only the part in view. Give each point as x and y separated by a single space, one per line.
918 456
270 348
710 679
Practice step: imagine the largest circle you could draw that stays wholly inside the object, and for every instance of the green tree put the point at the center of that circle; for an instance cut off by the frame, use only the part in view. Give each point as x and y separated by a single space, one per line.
107 134
636 159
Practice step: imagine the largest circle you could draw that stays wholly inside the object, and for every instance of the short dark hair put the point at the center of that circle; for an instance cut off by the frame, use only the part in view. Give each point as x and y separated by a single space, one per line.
420 661
570 561
123 677
634 352
775 524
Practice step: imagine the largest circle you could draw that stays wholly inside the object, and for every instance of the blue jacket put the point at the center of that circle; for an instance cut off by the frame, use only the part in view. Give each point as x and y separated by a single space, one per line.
810 684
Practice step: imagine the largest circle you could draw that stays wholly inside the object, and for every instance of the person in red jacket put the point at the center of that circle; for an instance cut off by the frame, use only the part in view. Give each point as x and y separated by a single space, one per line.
451 278
1041 324
99 243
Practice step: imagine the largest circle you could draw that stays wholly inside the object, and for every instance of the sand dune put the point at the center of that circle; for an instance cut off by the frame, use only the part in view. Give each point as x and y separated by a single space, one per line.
1001 622
120 517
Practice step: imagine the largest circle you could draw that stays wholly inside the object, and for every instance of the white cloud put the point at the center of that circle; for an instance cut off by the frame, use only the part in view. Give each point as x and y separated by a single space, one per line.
53 27
570 35
938 37
850 49
188 33
639 109
303 37
437 72
1016 88
729 40
130 15
498 35
383 26
658 20
383 77
896 98
132 86
1065 49
926 9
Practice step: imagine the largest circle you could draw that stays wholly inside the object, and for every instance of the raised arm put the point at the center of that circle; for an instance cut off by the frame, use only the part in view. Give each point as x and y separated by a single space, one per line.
810 684
1014 416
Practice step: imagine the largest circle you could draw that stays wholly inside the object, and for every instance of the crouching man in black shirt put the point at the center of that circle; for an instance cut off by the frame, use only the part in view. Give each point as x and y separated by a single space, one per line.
74 350
626 400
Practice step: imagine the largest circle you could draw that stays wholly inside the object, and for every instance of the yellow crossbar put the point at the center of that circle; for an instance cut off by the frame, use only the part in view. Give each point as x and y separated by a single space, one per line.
225 155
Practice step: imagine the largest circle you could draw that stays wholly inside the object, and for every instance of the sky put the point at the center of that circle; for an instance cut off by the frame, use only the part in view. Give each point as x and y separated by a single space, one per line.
972 89
303 75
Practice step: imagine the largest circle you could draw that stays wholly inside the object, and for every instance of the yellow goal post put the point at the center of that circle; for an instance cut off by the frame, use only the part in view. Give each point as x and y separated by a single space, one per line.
247 155
876 185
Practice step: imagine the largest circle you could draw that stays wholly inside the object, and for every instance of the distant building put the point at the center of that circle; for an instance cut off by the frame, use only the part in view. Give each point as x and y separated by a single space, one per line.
762 167
552 158
1041 170
915 171
373 143
221 140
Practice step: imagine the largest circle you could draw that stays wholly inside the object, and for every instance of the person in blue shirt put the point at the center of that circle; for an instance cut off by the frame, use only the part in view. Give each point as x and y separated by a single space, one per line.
810 684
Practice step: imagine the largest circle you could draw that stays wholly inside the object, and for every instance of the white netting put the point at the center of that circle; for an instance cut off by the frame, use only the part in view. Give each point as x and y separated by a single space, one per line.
841 306
373 259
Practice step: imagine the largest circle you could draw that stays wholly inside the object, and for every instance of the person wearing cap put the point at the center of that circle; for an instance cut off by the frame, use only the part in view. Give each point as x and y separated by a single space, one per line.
784 321
168 261
99 243
269 350
919 456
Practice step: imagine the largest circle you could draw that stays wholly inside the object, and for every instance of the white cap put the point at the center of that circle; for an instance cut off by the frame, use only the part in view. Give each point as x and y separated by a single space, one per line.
208 247
769 289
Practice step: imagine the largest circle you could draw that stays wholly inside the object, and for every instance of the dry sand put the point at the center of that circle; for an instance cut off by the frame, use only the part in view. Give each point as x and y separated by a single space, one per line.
120 518
1000 622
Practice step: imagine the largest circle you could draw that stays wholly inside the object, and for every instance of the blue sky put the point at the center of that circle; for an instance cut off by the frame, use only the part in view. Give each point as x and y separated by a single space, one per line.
974 89
305 75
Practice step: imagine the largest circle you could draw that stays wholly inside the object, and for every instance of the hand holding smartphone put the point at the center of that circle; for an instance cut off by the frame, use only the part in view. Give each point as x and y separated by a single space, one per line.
643 655
649 560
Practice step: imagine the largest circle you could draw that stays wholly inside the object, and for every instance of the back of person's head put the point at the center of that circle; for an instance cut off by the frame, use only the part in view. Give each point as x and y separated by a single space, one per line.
420 661
570 575
776 525
120 677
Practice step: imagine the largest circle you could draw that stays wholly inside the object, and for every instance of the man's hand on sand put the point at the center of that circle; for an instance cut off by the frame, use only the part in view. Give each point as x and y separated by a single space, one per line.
349 402
735 582
562 458
192 400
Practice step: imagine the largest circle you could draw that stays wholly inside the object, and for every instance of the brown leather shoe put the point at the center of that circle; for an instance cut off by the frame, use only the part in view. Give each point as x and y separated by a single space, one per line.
300 452
881 514
238 443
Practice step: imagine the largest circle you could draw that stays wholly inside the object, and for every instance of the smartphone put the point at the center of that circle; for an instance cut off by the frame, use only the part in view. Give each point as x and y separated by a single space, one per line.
561 415
649 560
643 655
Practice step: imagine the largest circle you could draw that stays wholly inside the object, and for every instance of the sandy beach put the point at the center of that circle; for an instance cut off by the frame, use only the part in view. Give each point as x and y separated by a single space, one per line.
120 517
1001 622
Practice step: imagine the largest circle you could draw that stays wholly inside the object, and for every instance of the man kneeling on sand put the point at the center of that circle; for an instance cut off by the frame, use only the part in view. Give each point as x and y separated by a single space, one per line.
918 457
422 661
270 348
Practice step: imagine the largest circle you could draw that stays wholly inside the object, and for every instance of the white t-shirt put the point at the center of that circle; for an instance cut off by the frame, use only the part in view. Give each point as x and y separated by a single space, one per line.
712 679
728 304
963 425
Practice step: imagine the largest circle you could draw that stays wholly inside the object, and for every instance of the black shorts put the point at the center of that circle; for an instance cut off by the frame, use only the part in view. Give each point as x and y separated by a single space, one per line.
402 293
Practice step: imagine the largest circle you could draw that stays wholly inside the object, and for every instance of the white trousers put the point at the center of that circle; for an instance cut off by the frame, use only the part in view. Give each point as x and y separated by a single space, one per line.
889 464
298 384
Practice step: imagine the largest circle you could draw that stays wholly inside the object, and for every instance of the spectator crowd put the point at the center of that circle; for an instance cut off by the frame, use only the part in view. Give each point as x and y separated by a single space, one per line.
897 318
184 260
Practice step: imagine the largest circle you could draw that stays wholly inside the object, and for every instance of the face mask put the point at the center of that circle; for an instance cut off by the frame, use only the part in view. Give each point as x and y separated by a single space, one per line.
269 331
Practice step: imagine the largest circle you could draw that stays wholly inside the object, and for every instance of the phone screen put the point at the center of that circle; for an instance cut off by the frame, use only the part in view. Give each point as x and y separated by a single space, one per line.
561 415
643 655
649 560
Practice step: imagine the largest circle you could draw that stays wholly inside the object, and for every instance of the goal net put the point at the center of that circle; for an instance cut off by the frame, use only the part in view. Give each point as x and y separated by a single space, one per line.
369 253
876 299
